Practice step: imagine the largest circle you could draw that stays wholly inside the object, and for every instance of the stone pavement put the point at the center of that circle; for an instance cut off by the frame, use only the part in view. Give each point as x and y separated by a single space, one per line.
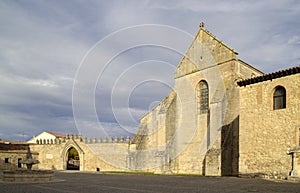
75 182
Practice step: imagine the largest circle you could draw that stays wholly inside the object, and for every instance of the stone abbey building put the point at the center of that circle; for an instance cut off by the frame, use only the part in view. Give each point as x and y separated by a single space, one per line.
222 118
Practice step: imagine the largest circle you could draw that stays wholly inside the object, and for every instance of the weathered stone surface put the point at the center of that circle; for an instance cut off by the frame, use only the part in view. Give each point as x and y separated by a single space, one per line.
92 156
266 135
193 142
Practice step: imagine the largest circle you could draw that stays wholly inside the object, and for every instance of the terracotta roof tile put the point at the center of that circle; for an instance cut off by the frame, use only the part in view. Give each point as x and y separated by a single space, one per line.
56 135
270 76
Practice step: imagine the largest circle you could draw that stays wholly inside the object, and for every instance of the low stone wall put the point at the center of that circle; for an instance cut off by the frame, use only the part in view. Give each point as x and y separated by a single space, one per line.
27 176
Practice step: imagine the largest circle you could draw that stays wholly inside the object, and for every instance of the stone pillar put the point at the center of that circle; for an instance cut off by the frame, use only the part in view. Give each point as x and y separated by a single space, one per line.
116 140
128 139
105 140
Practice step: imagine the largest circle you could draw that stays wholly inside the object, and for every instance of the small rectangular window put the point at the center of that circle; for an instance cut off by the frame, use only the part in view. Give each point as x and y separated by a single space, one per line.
6 160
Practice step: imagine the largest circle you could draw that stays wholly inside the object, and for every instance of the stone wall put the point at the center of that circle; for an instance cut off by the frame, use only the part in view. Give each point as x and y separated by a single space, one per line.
265 134
13 159
197 143
94 154
209 142
11 153
154 137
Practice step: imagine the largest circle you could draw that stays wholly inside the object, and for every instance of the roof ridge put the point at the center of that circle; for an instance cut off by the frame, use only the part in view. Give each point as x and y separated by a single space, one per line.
215 37
270 76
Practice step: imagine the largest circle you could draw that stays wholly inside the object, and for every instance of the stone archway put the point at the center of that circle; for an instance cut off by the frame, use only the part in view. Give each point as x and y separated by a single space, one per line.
72 156
73 160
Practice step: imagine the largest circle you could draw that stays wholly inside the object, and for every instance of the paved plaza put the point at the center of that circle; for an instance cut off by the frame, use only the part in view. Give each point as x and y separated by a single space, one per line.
75 182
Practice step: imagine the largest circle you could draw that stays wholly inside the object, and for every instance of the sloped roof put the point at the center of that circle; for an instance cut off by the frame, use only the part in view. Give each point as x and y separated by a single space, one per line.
208 47
270 76
56 134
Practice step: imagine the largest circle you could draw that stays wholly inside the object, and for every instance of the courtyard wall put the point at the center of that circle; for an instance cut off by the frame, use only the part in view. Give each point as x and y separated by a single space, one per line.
94 154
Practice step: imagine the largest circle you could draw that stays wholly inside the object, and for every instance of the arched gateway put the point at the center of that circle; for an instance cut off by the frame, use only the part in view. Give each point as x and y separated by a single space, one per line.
73 162
72 157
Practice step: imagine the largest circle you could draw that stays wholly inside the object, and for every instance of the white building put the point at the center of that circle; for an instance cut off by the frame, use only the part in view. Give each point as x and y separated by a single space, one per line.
47 136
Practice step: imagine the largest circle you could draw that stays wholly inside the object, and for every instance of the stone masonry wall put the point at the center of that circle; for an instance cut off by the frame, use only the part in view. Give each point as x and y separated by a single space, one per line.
13 158
11 153
104 155
201 143
265 134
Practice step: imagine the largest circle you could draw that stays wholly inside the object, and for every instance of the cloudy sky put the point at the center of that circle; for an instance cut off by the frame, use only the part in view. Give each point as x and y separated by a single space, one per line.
96 67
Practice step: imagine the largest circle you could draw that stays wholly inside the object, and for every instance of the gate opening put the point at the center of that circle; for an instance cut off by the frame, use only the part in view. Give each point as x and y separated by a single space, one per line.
73 162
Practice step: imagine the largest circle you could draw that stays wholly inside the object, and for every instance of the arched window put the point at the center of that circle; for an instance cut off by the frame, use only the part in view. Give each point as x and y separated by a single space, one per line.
202 97
279 98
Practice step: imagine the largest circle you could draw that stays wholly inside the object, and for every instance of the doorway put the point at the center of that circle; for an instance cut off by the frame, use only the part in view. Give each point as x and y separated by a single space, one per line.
19 162
73 162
